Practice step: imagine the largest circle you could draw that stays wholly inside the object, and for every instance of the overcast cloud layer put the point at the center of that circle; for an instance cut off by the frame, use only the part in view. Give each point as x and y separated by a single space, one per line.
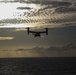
48 13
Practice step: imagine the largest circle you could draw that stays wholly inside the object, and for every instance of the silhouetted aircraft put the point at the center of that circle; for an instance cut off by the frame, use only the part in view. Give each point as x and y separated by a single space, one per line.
37 34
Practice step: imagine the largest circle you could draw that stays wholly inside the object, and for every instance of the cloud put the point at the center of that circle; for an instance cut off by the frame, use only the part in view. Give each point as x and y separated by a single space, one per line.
52 51
46 14
66 9
68 47
23 8
8 1
20 29
21 49
34 1
55 14
12 21
6 38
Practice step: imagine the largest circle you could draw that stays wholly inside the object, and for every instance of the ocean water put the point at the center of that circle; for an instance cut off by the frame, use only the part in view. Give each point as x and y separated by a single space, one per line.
38 66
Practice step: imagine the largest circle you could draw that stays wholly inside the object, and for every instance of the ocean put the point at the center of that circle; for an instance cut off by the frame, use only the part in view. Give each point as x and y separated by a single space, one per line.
38 66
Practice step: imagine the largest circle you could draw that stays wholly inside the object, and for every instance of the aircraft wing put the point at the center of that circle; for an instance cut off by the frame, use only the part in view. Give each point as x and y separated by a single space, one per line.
43 32
37 32
32 32
29 31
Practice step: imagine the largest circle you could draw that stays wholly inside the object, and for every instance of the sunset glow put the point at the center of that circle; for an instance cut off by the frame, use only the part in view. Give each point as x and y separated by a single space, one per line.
37 28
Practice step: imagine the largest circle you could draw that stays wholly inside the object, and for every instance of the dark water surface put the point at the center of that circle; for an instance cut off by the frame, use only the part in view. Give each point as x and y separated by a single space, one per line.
38 66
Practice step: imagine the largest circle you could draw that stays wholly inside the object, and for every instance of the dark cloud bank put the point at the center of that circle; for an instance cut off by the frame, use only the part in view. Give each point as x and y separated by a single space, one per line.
68 47
67 51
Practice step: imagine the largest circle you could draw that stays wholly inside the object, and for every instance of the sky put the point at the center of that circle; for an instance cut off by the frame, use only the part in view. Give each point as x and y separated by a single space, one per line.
59 16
